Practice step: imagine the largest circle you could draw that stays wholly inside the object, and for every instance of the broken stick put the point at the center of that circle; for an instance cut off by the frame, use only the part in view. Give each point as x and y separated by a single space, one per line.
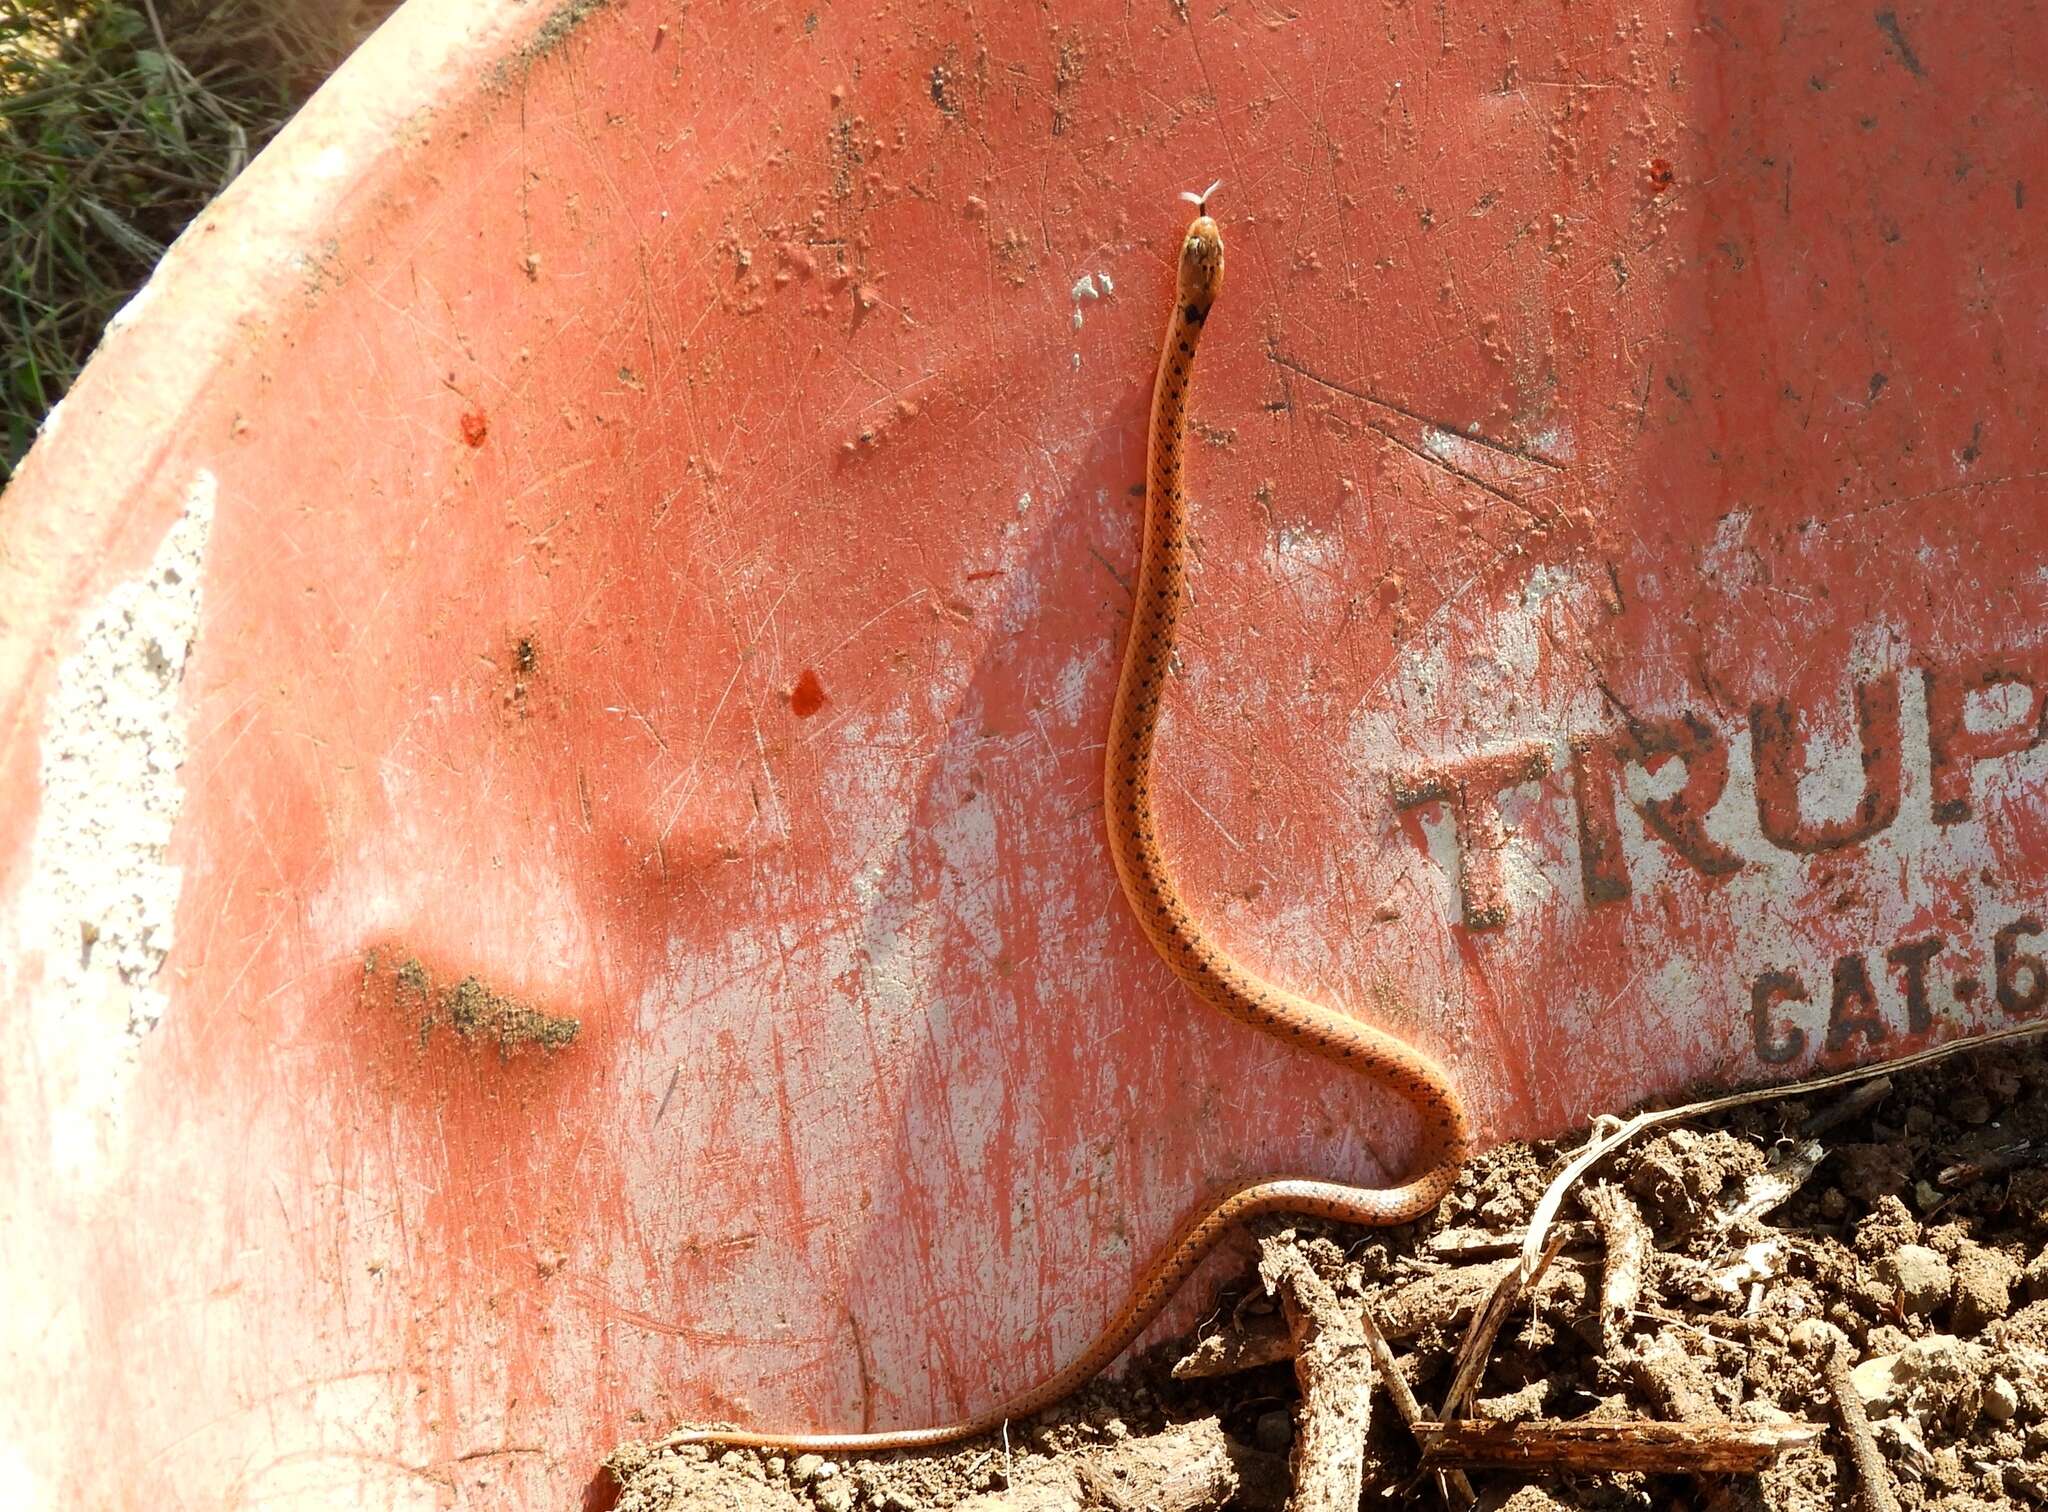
1650 1448
1457 1490
1334 1369
1621 1277
1830 1347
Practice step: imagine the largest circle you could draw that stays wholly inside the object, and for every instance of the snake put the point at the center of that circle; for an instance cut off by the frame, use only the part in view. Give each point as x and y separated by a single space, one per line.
1209 971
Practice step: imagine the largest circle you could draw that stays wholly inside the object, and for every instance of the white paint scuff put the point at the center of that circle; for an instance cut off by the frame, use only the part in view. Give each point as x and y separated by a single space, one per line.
101 895
1085 289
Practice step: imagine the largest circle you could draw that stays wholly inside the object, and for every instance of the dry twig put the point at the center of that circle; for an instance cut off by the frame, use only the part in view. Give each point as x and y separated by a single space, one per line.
1334 1369
1650 1448
1466 1245
1457 1490
1854 1103
2025 1152
1621 1277
1485 1326
1874 1482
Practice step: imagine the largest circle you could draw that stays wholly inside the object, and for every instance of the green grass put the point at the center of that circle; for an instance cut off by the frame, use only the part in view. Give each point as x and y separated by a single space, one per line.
118 123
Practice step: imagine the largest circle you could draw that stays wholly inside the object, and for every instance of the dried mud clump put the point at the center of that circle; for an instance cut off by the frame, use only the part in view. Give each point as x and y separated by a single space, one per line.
475 1012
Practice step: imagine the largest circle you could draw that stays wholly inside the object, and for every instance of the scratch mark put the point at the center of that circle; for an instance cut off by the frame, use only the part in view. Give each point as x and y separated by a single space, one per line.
870 622
673 1077
1520 453
1235 843
1110 567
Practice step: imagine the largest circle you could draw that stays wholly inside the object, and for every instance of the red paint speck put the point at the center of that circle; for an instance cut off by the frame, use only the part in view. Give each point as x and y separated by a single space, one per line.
474 427
1661 176
808 696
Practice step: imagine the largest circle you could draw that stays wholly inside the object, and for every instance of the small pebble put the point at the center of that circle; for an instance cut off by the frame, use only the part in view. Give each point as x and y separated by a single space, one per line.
1274 1430
836 1496
1532 1499
1875 1380
2001 1399
806 1468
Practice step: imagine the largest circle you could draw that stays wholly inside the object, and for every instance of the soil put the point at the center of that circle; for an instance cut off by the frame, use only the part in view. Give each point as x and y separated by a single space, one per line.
1908 1217
470 1007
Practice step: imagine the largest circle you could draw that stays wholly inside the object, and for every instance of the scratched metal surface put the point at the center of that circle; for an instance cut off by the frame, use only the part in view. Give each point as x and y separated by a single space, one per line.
633 505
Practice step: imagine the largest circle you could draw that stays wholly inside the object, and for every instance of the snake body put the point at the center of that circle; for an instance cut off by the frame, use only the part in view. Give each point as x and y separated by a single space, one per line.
1197 959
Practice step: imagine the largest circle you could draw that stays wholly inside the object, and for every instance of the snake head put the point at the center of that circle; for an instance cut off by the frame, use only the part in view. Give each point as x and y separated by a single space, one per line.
1201 268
